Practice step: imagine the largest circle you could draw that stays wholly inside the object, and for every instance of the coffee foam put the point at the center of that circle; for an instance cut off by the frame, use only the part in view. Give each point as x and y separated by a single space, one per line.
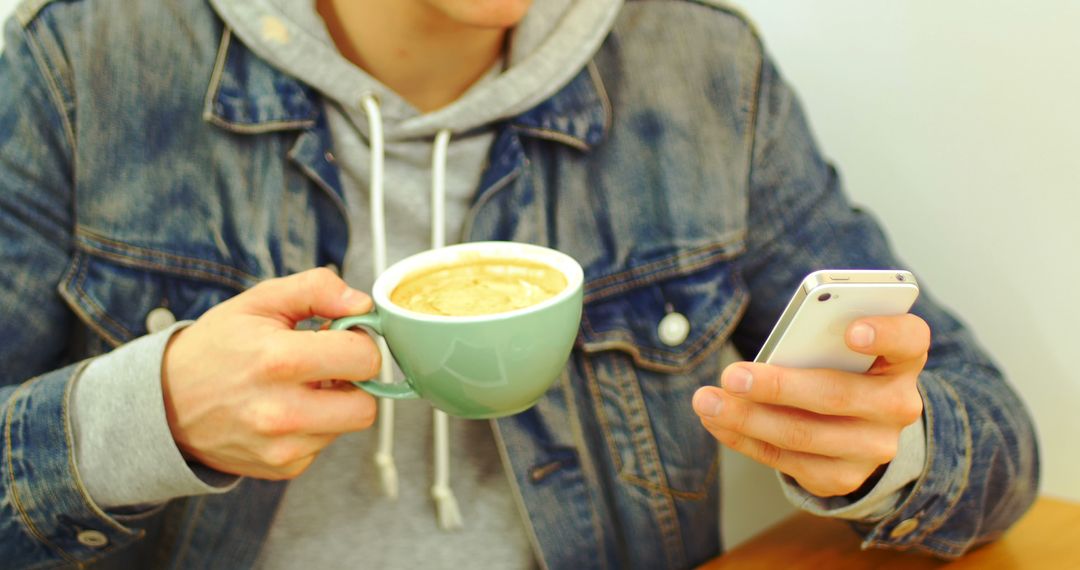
478 285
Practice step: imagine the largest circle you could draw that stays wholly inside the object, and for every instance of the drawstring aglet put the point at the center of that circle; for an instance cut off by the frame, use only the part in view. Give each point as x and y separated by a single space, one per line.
388 474
446 508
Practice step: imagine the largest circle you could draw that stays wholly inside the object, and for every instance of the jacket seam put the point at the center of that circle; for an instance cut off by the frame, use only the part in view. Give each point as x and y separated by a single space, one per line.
605 99
141 257
643 437
615 283
55 95
519 499
553 135
211 117
733 11
570 140
592 381
28 523
69 436
190 273
739 14
320 182
593 384
101 312
27 10
215 74
487 194
666 489
588 468
73 299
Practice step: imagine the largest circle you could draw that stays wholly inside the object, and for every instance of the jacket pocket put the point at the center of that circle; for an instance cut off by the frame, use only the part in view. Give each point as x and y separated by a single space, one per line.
644 350
121 298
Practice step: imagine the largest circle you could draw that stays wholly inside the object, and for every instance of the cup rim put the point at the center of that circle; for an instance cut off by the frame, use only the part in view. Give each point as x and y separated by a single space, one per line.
557 260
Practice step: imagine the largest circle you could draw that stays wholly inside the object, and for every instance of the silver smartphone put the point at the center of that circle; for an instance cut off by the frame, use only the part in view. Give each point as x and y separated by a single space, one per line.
810 332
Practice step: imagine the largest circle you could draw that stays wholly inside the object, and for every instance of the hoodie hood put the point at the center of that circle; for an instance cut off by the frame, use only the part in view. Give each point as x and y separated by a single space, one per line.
547 49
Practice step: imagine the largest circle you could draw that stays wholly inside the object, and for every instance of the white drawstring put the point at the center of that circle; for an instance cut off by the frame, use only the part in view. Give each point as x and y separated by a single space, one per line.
384 456
446 506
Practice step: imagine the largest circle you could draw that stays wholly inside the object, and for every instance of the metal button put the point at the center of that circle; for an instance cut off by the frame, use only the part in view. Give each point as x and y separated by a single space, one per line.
905 528
93 538
673 329
159 319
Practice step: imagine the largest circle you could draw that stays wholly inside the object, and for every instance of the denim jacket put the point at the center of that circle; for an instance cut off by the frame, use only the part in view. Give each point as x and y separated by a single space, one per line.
148 159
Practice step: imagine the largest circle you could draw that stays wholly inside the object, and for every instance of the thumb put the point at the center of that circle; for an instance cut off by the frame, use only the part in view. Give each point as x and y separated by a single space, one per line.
312 293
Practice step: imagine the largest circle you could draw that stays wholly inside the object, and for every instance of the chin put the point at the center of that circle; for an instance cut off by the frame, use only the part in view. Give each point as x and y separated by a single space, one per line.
483 13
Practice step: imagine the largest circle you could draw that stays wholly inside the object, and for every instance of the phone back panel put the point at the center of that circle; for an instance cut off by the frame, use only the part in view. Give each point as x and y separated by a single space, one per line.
815 336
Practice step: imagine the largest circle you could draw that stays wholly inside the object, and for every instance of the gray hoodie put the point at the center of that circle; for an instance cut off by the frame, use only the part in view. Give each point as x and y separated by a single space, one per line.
338 514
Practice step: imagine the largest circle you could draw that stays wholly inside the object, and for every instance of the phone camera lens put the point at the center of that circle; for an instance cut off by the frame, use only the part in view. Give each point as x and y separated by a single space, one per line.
824 297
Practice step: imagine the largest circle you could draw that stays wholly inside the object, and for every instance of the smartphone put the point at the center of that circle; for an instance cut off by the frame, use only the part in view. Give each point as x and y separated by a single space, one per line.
810 332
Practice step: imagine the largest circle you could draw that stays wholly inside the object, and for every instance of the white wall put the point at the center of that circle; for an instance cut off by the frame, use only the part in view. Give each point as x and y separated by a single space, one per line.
6 8
958 124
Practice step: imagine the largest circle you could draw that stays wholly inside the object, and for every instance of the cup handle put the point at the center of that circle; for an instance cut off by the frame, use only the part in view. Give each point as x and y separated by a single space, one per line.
372 322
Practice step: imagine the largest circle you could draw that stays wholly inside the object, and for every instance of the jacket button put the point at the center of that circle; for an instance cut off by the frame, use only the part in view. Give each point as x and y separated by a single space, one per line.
673 329
93 538
905 528
159 319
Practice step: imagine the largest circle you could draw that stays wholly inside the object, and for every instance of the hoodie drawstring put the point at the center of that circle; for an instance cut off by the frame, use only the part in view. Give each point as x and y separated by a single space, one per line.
384 456
447 511
446 506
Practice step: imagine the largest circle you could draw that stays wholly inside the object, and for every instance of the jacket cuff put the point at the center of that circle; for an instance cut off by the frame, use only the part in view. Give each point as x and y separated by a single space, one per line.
939 488
45 493
124 449
885 496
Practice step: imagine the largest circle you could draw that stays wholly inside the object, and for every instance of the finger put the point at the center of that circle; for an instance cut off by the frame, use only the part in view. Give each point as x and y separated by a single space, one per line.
821 476
309 356
316 292
279 458
887 399
797 430
897 339
338 410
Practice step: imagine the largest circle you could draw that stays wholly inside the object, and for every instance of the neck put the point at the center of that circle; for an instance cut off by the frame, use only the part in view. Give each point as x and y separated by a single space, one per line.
420 53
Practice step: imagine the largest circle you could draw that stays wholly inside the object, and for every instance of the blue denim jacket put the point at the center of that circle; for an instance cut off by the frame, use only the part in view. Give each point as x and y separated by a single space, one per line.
148 159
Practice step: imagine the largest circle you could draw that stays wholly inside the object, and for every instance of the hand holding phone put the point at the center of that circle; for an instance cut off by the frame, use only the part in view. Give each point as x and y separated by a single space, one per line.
814 405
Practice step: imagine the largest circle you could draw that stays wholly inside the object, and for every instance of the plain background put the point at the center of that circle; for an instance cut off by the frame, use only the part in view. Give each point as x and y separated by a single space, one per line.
958 124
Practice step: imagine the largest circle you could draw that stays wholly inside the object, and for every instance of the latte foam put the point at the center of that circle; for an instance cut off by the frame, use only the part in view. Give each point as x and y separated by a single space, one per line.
478 287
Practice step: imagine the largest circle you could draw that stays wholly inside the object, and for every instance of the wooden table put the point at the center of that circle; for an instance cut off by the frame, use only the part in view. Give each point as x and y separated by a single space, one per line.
1047 537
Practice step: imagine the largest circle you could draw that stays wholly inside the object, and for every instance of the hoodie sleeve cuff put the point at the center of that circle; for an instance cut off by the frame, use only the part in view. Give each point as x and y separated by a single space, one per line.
889 492
124 450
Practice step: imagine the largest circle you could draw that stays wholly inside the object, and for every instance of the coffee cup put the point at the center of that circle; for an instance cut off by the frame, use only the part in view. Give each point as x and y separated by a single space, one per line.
481 330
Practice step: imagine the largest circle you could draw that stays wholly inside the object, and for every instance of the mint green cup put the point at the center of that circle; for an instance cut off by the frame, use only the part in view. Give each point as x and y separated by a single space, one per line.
475 367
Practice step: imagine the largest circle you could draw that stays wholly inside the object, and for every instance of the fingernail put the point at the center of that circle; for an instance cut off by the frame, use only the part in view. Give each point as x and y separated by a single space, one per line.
862 335
350 296
738 380
707 403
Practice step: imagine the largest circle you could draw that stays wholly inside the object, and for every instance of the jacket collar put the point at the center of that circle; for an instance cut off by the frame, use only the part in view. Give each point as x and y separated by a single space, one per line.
248 95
